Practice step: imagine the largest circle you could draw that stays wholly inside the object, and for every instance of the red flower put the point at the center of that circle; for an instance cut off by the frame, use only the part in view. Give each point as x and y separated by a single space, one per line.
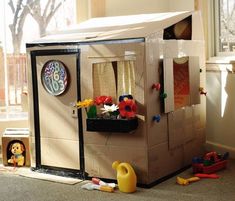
127 108
103 100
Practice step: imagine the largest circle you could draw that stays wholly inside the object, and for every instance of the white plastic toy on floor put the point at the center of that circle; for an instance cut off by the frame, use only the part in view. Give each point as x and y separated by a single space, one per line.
91 186
98 184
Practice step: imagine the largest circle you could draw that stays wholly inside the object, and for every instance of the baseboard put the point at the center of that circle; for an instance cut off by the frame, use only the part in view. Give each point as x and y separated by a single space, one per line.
220 148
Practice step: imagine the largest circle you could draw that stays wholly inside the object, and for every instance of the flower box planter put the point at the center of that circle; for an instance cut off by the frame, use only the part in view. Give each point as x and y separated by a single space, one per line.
111 125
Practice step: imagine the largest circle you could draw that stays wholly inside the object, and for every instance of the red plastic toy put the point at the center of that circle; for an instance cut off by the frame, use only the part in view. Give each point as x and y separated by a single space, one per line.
203 175
212 162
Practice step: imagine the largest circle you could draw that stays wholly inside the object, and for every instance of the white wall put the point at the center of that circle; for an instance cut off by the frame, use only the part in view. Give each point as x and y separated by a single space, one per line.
129 7
181 5
82 10
220 126
100 8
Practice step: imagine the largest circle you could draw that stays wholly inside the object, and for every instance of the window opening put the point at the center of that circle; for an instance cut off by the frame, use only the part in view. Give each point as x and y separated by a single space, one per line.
120 76
180 30
181 82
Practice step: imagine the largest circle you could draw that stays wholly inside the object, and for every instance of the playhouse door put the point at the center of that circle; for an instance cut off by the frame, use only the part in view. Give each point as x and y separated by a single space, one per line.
181 82
58 141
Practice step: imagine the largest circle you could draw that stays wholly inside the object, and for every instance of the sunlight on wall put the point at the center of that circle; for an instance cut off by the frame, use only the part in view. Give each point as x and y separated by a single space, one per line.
213 82
224 94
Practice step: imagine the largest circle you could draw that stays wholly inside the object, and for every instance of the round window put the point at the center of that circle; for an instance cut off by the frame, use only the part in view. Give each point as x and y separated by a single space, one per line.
54 77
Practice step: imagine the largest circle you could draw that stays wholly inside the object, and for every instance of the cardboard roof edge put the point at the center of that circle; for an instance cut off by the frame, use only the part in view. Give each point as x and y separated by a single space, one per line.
117 27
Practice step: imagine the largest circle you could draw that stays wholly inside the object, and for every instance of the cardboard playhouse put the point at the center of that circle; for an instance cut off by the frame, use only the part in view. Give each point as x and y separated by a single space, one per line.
156 59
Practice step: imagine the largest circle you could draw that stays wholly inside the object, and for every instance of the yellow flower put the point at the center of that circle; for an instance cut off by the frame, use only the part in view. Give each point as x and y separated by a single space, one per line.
86 103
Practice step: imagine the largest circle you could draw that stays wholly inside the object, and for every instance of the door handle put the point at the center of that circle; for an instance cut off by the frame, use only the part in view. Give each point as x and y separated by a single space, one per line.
73 110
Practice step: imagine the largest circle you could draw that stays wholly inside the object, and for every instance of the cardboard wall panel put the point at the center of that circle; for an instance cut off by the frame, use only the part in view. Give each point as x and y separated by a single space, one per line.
194 148
32 152
60 153
168 85
136 138
99 159
157 131
189 131
198 116
176 128
194 74
163 162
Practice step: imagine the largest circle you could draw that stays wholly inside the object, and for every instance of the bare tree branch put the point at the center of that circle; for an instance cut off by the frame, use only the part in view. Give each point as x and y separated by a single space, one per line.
32 7
43 19
226 21
16 13
52 12
35 10
231 31
47 7
20 13
10 3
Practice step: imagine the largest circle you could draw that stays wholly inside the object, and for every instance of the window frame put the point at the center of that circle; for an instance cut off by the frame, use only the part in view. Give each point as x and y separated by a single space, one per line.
211 29
214 46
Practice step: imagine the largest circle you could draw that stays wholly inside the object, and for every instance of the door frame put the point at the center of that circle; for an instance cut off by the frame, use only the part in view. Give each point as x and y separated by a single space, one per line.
49 169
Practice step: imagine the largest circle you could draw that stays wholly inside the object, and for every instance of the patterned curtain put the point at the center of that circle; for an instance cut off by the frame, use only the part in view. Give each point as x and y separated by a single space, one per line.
126 78
104 80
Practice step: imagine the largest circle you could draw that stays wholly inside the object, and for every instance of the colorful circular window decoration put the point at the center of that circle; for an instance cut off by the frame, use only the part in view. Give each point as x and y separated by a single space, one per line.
54 77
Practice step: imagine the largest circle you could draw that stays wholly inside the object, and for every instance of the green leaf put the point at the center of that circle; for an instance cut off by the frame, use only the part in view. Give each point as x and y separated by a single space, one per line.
92 113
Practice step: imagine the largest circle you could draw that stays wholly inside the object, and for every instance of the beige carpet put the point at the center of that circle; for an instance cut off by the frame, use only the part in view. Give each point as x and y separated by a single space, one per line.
18 188
26 172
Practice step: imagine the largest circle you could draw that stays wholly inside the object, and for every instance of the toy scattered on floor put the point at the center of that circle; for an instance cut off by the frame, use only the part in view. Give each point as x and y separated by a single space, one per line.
126 177
17 149
97 184
210 176
92 186
184 182
102 183
210 163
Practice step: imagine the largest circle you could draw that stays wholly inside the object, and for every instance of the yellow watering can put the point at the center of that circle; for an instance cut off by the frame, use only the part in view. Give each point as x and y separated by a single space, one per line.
126 177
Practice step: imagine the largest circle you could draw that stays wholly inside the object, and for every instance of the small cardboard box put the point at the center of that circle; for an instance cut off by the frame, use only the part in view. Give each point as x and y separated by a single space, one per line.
12 135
